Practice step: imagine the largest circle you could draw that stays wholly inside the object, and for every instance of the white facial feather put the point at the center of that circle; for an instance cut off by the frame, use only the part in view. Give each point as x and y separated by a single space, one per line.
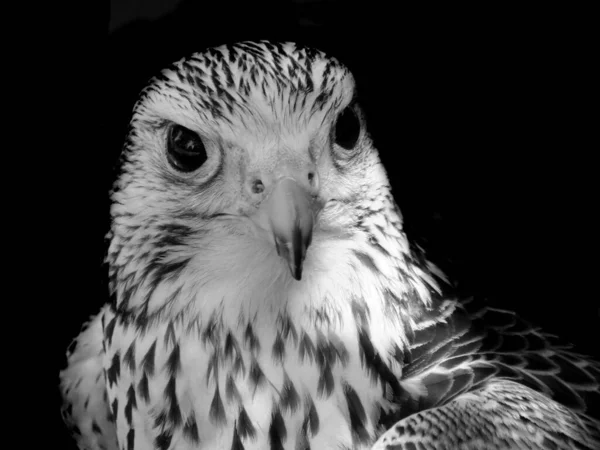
255 132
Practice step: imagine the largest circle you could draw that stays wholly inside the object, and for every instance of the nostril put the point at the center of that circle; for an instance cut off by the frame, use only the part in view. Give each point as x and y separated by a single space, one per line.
312 179
258 187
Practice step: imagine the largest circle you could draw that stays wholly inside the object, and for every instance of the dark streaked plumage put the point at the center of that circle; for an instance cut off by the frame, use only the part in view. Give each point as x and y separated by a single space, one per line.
269 299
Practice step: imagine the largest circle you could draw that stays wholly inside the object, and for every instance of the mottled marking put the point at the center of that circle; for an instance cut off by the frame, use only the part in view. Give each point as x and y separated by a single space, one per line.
148 360
257 376
357 414
109 330
367 261
251 340
231 391
174 413
114 371
360 311
126 297
306 347
325 355
278 349
277 431
338 348
288 329
239 367
174 361
244 425
209 335
231 345
289 400
410 430
160 419
190 430
374 365
170 338
311 418
143 388
326 383
131 439
163 440
212 368
398 355
129 358
217 410
164 271
131 403
115 407
236 442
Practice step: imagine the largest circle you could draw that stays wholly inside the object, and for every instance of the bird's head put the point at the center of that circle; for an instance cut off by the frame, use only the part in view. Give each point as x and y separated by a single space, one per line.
249 165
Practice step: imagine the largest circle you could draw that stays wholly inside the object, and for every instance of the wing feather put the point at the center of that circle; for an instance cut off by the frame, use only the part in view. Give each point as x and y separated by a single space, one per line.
501 415
473 347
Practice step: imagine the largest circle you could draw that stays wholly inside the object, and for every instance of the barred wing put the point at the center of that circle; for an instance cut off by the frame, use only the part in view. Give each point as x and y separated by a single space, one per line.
489 363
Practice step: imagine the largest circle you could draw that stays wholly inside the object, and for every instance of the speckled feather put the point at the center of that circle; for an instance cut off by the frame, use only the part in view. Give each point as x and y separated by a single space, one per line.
484 377
210 343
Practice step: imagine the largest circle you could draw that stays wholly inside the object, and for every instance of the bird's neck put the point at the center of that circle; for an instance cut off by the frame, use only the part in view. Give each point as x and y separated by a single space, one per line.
369 282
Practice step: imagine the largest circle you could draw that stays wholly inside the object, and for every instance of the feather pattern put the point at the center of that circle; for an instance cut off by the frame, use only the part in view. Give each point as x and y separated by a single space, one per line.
210 341
491 363
83 387
478 343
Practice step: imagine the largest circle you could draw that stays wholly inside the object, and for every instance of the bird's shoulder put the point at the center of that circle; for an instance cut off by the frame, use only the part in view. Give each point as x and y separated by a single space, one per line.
85 408
461 346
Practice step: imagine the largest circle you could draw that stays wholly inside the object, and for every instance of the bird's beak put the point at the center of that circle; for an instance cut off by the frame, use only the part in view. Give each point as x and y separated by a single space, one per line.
288 213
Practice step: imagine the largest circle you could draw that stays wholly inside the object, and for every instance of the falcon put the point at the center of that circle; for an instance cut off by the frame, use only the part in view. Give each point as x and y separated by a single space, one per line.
265 296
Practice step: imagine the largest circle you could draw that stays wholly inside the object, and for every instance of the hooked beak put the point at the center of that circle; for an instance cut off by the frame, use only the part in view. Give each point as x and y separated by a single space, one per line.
288 213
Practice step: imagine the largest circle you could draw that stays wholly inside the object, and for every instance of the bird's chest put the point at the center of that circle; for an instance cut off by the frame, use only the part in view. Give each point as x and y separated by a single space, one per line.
211 385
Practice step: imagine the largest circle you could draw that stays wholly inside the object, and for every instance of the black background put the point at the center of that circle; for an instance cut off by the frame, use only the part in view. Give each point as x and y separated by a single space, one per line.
481 116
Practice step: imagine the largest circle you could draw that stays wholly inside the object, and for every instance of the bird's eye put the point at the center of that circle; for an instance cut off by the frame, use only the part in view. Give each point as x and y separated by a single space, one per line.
347 128
185 149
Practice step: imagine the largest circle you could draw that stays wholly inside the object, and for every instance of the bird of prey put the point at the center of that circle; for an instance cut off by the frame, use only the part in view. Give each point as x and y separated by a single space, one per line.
265 296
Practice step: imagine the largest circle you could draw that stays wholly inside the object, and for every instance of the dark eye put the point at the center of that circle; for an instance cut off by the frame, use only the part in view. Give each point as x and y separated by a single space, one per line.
185 149
347 129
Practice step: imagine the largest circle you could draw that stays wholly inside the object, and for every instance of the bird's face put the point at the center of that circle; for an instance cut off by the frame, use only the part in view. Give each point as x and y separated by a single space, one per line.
251 161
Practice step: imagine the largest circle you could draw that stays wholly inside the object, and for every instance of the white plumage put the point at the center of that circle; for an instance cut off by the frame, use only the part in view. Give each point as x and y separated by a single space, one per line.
265 295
